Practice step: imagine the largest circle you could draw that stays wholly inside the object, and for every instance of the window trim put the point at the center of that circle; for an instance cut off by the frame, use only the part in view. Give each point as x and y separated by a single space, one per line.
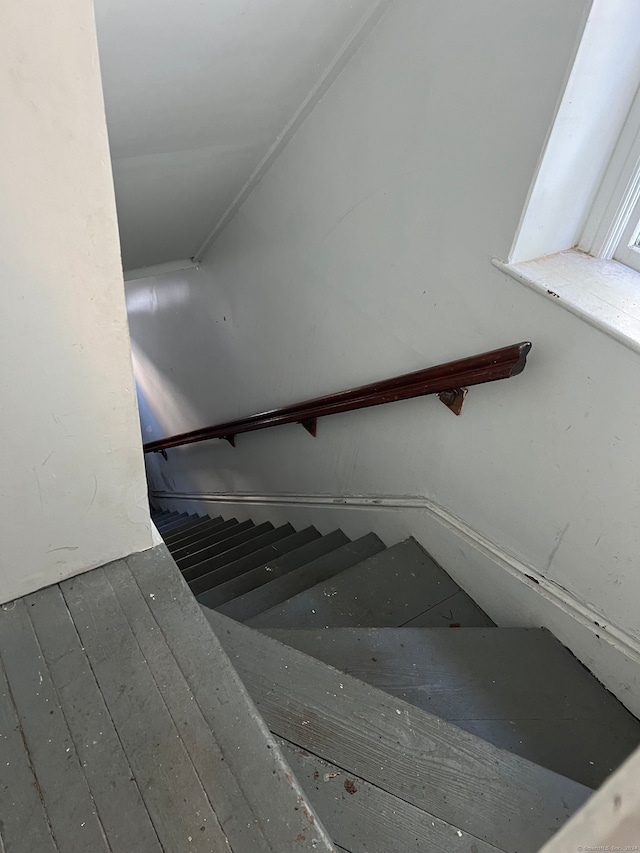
614 220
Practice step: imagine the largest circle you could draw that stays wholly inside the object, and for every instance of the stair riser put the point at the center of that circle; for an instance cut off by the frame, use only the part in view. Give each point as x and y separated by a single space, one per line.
201 549
271 598
262 558
188 530
223 567
276 568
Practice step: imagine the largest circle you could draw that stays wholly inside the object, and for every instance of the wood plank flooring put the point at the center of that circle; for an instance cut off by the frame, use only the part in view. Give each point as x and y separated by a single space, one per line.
125 729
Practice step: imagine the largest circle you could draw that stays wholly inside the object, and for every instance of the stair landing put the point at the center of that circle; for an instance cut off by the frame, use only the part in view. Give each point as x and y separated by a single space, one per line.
124 727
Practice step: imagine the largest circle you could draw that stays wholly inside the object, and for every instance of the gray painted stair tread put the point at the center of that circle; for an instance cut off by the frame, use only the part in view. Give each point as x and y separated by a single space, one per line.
225 566
180 518
114 791
179 527
51 749
274 568
161 516
190 527
25 828
363 818
169 521
174 526
207 525
168 781
244 565
585 750
257 763
235 816
518 688
387 589
456 611
163 513
213 545
270 595
212 535
499 797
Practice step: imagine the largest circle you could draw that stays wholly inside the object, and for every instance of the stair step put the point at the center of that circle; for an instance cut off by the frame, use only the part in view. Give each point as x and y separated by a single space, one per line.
272 569
258 559
177 523
158 517
175 516
206 559
222 567
362 818
200 549
272 594
457 611
518 688
190 530
215 525
171 526
213 535
467 782
387 589
252 778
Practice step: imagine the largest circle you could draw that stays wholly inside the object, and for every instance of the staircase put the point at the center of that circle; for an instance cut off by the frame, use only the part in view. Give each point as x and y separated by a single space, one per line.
410 720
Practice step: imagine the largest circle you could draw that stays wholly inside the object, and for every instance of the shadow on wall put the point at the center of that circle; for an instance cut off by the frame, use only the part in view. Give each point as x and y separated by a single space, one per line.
164 410
182 360
186 378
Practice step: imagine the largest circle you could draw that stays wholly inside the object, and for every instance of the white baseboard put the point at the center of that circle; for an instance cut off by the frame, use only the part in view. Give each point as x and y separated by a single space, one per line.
510 591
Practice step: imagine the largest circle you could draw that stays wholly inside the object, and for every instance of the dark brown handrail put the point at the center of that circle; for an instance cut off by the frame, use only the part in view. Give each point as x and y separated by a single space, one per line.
474 370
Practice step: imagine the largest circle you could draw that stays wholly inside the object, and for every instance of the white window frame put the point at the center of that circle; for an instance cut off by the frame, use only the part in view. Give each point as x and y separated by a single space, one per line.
613 226
574 244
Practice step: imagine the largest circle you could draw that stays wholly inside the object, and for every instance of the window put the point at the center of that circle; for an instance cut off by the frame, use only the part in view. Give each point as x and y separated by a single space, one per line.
613 227
578 240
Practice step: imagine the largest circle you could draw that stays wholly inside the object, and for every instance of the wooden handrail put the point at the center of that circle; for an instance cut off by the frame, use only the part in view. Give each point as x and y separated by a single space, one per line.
454 375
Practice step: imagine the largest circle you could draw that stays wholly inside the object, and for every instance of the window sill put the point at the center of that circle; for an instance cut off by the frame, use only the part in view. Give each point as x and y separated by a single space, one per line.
604 293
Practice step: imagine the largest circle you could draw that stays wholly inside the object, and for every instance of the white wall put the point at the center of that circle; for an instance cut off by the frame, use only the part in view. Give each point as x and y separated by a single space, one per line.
72 491
365 252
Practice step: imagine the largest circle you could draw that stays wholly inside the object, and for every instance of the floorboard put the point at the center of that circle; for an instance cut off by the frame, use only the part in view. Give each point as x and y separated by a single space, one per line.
172 790
50 746
239 823
125 729
25 824
113 788
262 775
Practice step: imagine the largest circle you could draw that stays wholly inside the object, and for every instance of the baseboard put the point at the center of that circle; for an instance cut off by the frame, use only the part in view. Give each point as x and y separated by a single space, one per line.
512 592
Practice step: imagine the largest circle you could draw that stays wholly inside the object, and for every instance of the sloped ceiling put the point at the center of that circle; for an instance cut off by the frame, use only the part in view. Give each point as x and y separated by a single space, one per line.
197 93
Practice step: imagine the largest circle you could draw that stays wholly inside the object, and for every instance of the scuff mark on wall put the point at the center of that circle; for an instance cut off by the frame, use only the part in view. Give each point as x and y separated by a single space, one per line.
559 539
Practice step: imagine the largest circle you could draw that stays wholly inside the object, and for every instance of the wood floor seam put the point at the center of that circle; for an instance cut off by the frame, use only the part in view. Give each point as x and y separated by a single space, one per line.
19 729
168 709
107 710
94 597
164 702
69 729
